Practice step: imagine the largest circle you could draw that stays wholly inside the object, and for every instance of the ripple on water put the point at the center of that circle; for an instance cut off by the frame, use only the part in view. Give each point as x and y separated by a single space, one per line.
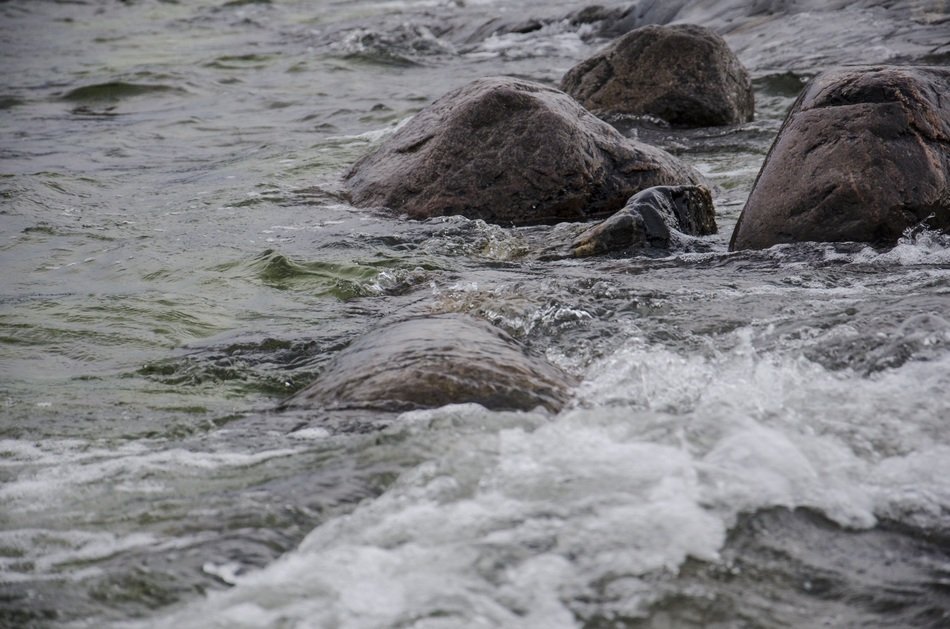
341 280
657 504
760 438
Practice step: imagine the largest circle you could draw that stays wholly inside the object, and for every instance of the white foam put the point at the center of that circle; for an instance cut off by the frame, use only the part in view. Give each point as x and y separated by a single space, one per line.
917 246
552 40
42 550
311 433
56 471
913 487
515 517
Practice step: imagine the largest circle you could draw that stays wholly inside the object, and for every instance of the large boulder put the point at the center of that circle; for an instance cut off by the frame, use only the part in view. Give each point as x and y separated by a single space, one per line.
427 362
684 74
652 219
863 155
512 152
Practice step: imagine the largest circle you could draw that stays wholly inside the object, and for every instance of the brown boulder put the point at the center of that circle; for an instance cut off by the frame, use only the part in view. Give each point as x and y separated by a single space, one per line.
429 362
512 152
863 155
684 74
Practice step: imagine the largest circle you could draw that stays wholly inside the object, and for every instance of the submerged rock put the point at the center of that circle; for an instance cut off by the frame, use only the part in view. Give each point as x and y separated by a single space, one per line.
432 361
653 218
863 155
512 152
684 74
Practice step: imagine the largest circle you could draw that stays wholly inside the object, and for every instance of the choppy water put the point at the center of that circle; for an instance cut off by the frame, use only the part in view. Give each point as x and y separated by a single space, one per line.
759 439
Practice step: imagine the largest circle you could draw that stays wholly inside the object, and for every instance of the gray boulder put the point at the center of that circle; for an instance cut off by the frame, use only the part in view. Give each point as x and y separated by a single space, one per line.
511 152
684 74
863 155
654 218
432 361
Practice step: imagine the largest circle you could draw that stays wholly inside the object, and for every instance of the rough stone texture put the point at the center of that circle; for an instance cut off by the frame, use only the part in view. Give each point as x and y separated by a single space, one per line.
653 218
684 74
433 361
510 152
863 155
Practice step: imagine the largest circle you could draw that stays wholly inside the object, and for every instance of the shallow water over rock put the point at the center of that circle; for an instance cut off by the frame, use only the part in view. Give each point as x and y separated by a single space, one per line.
178 260
428 362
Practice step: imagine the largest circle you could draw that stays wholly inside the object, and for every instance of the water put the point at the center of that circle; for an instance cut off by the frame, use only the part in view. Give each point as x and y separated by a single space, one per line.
758 439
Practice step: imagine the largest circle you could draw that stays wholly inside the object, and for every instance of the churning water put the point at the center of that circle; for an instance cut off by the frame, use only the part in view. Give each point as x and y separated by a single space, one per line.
759 439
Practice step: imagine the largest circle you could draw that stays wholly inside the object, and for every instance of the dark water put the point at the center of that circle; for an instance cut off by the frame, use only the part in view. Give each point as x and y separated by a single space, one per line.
758 440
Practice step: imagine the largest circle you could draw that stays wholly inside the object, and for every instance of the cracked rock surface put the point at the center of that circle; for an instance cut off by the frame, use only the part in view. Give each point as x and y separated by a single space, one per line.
863 155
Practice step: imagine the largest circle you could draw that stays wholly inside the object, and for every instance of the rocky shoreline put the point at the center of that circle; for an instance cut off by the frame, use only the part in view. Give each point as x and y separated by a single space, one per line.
862 156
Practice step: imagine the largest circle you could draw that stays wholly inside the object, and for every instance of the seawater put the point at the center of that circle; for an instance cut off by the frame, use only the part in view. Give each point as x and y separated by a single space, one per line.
758 439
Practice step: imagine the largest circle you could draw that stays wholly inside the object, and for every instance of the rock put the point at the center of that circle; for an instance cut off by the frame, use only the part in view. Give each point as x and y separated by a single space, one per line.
684 74
653 218
511 152
863 155
427 362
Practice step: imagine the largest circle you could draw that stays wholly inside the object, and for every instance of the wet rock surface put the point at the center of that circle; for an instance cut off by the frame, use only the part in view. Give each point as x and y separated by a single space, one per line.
427 362
511 152
684 74
654 218
862 156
